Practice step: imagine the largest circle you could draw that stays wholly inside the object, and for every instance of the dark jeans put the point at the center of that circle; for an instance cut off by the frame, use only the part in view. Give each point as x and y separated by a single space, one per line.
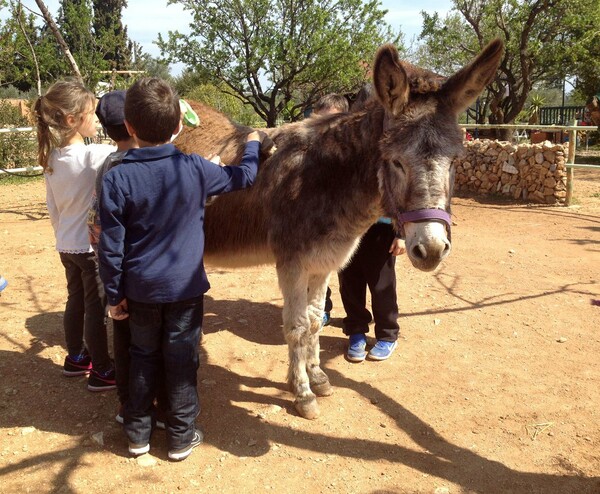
328 302
121 344
85 309
164 334
372 265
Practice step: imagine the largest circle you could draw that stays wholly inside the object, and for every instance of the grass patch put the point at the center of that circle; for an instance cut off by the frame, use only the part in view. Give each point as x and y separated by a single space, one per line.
20 178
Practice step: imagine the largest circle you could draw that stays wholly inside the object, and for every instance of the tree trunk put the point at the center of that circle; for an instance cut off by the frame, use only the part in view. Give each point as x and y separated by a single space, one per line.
35 60
59 38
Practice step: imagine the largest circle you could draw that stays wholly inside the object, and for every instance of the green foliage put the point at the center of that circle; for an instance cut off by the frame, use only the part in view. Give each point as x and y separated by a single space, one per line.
545 41
273 53
17 64
110 33
92 29
75 21
229 104
17 149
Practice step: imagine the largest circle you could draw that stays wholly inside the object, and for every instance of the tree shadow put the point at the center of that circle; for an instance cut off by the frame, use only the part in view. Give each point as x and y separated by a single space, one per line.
30 211
243 433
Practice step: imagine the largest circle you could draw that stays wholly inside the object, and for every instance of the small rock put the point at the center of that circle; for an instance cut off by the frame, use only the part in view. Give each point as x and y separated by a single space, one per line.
146 460
209 382
441 490
98 438
562 339
252 442
27 430
436 322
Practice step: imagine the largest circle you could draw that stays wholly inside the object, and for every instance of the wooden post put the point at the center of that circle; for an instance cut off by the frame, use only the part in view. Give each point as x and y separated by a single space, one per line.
571 160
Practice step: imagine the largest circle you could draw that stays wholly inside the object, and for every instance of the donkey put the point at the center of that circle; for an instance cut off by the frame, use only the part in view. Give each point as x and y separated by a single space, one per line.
329 179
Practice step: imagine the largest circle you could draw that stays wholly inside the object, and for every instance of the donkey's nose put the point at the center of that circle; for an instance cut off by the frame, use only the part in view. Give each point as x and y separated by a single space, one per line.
427 255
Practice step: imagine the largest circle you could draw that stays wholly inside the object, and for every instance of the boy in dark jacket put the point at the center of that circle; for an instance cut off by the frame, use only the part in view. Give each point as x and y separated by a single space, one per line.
151 259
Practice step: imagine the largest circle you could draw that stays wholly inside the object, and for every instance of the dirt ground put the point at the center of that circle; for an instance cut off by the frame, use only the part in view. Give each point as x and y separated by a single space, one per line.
495 386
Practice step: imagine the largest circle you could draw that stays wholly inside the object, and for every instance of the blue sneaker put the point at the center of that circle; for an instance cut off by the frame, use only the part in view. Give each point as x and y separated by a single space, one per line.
382 350
326 319
357 348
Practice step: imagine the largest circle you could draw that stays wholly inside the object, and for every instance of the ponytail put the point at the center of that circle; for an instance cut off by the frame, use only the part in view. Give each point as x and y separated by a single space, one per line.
63 98
46 139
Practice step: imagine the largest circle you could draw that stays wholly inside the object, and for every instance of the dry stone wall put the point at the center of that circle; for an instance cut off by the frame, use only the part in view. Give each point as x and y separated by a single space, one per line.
528 172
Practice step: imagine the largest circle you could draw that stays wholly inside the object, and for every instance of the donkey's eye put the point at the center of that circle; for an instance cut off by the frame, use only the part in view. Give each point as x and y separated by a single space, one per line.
398 164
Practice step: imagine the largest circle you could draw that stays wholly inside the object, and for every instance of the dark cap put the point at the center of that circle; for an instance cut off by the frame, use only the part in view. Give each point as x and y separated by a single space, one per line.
111 109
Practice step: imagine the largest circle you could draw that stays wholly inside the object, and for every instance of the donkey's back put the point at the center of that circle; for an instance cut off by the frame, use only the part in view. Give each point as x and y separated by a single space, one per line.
296 206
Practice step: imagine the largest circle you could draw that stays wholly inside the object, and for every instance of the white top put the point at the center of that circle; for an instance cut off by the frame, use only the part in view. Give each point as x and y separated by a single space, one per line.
69 192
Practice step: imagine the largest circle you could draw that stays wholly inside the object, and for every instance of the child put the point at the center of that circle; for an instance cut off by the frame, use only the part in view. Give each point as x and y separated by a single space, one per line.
111 114
151 259
328 105
373 266
65 116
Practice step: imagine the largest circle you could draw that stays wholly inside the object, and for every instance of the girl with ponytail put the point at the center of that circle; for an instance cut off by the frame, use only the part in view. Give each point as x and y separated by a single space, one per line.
65 115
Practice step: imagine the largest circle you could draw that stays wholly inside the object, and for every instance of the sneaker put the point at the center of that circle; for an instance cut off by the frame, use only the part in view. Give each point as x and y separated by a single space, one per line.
357 348
78 365
138 449
382 350
3 283
326 319
183 453
102 381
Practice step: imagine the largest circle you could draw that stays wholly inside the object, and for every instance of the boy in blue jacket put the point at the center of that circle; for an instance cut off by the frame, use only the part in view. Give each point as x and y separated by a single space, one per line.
151 259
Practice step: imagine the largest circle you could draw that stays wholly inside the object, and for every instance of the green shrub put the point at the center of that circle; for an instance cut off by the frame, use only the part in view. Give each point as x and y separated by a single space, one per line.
17 149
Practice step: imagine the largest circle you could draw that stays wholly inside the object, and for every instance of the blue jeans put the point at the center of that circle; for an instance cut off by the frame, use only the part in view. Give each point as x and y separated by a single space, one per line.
85 309
164 334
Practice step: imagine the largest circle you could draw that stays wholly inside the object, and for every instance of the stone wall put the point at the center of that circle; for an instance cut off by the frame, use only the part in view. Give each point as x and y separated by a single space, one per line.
528 172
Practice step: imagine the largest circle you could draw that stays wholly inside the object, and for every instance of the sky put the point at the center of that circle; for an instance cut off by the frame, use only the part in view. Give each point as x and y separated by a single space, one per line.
145 19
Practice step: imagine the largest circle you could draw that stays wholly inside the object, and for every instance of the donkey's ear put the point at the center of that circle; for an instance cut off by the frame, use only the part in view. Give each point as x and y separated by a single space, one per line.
467 84
390 80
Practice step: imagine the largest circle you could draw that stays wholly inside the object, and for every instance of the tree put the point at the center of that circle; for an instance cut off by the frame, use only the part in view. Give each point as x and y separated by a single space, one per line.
540 38
75 20
280 56
110 33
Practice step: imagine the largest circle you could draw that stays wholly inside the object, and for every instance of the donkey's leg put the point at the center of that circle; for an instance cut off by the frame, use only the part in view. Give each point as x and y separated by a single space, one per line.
317 286
293 282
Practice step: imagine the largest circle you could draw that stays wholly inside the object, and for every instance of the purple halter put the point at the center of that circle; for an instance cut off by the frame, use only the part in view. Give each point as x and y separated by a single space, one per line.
425 215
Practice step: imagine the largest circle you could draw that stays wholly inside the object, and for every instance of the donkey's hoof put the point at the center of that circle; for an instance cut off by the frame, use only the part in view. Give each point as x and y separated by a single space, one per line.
322 389
307 408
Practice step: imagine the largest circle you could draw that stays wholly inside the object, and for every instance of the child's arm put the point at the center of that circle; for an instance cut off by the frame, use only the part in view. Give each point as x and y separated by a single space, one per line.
111 247
51 204
221 179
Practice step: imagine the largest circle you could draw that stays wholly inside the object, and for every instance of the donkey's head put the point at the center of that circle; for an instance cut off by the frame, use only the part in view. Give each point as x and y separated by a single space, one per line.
420 139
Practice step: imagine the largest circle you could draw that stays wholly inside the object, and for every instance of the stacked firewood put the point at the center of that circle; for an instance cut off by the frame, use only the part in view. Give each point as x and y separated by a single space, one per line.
527 172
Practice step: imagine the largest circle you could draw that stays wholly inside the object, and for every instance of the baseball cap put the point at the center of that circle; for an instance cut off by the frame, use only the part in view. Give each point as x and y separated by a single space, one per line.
111 109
